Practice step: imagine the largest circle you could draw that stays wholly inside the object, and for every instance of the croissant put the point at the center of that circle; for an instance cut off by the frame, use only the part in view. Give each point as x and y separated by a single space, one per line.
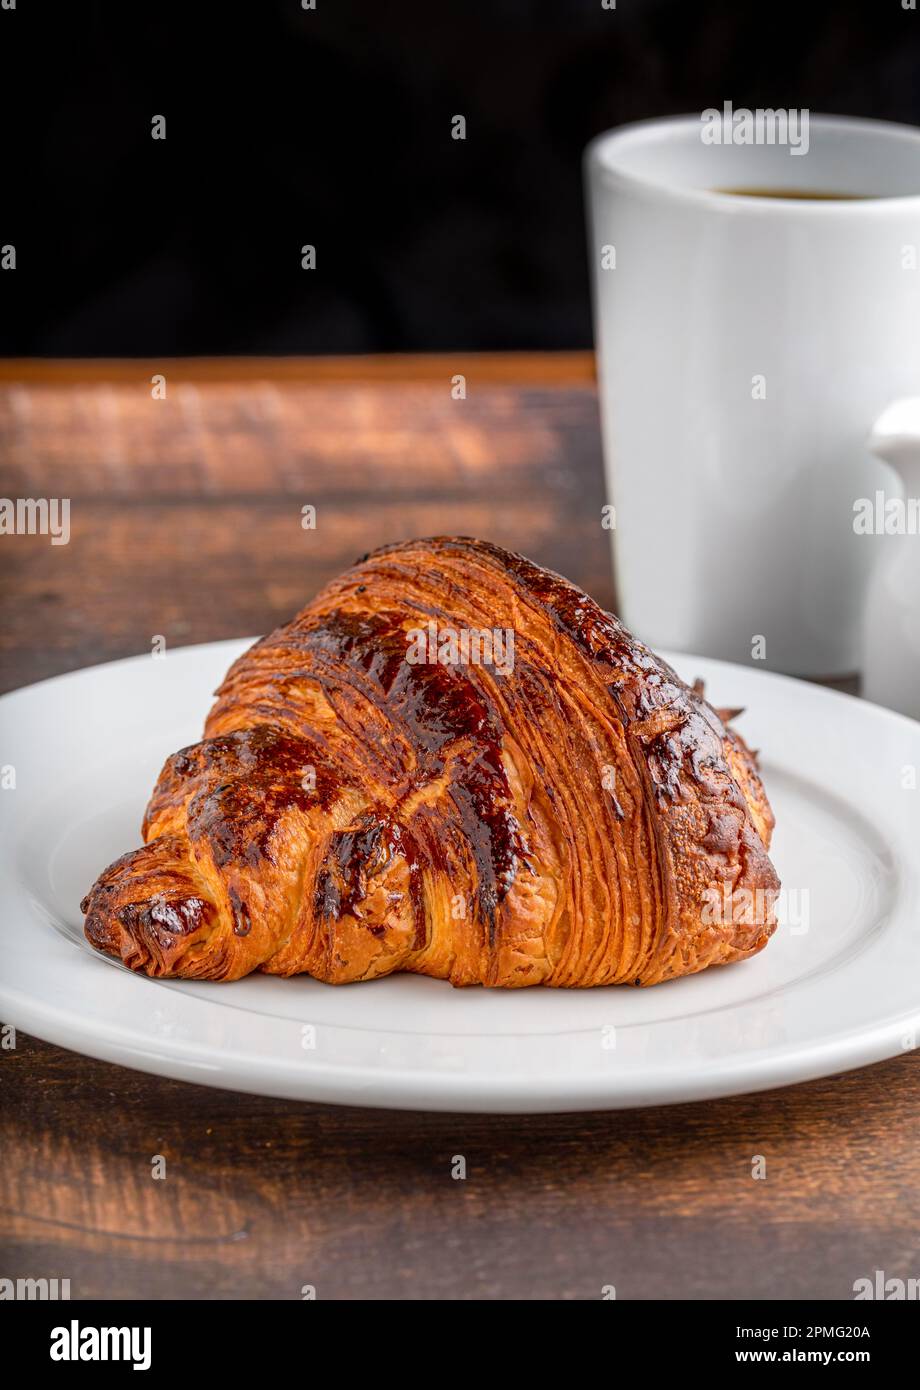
451 762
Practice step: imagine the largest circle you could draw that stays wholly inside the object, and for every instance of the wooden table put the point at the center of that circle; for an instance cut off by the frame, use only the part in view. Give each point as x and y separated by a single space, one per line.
186 522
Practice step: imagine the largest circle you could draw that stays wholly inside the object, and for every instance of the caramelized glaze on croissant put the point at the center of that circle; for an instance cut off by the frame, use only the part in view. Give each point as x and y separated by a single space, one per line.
565 820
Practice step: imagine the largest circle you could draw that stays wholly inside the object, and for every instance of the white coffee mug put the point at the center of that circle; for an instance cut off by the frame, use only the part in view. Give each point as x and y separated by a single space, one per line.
746 344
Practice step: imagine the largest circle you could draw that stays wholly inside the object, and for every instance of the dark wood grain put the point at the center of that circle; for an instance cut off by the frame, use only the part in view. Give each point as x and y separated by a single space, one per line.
263 1196
186 512
547 368
186 523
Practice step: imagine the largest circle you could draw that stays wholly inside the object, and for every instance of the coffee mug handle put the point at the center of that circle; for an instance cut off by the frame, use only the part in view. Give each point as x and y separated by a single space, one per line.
890 652
895 438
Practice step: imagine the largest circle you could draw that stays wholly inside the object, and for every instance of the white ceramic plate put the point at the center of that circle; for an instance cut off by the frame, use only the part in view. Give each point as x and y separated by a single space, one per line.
837 987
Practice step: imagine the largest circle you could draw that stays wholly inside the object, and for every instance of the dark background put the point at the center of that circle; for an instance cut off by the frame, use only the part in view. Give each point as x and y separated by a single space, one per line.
332 127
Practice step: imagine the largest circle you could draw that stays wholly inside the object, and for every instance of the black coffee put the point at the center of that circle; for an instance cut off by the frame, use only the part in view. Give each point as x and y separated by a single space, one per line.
807 194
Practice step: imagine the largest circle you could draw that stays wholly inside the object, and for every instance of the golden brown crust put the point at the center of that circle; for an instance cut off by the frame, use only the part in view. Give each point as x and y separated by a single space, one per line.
578 816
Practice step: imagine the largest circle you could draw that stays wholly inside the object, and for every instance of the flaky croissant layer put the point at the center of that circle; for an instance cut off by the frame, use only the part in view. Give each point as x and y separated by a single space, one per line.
451 762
